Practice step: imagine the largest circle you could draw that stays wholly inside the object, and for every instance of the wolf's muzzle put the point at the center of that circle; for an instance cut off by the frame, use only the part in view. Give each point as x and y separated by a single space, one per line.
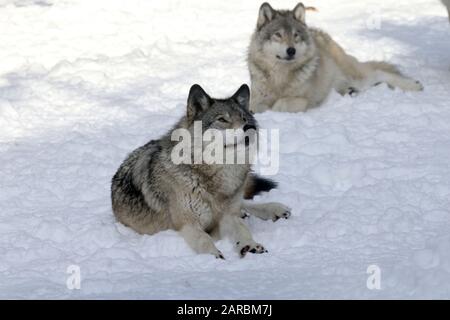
291 52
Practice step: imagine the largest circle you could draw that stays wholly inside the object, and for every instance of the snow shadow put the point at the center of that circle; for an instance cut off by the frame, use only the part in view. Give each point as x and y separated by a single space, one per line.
427 40
59 136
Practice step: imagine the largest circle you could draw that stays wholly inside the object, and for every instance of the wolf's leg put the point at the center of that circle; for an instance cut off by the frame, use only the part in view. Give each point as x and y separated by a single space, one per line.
376 72
377 77
258 108
185 214
397 80
350 90
199 240
232 226
293 104
257 102
266 211
260 98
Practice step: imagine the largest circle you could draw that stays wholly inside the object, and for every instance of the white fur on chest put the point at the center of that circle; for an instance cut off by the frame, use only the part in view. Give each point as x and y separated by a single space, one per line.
286 80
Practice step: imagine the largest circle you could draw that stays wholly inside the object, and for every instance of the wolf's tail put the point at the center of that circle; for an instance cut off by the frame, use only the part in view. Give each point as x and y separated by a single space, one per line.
255 185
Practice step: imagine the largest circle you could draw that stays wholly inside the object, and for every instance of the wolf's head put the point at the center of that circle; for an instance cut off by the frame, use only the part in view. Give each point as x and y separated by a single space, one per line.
282 35
221 114
224 115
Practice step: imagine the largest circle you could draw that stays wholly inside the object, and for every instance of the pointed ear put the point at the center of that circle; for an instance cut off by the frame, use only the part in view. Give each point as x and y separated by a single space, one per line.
266 14
198 101
242 96
299 12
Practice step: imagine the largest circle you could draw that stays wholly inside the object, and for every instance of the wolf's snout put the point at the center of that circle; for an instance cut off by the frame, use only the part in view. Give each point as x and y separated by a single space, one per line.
248 127
291 51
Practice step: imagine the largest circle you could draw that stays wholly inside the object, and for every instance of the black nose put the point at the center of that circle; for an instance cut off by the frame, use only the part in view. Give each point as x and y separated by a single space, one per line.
249 126
291 51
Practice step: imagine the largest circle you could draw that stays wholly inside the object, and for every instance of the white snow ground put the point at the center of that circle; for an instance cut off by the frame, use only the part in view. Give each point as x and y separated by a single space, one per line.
82 83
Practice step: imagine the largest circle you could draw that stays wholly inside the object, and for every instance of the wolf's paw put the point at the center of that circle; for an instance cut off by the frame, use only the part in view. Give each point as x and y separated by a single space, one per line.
290 105
270 211
285 215
244 214
419 86
353 92
258 108
252 248
412 85
219 255
278 211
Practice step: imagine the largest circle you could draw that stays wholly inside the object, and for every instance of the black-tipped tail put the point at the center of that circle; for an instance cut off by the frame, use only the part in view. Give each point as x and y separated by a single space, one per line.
255 185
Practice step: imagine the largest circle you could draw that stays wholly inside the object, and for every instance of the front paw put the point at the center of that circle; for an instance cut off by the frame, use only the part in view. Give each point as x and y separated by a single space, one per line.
284 215
252 248
353 92
258 108
412 85
284 106
417 86
278 211
291 105
244 214
219 255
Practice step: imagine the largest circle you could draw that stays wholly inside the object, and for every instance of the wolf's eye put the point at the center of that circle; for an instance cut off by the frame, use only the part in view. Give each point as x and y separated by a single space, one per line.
297 36
222 119
277 35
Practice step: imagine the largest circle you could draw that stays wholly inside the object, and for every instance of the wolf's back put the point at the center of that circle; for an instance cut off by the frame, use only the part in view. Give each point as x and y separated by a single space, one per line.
126 186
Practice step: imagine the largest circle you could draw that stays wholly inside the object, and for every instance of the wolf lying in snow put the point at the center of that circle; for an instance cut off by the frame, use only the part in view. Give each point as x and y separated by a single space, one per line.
294 67
151 193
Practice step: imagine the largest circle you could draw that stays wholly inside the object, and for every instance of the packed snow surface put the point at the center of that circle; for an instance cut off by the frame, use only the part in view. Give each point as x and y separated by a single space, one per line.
83 83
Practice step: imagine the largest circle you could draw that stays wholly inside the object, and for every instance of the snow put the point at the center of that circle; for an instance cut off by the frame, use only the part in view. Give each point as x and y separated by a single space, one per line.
83 83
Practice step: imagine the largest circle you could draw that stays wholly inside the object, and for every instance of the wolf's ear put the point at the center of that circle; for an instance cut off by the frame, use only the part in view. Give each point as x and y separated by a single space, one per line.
266 14
198 101
299 12
242 96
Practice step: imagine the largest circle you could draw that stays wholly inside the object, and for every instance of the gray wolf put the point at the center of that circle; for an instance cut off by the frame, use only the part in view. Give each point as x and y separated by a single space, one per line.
294 67
203 202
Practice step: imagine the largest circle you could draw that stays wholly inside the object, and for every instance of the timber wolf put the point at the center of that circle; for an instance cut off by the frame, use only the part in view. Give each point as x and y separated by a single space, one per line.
203 202
294 67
